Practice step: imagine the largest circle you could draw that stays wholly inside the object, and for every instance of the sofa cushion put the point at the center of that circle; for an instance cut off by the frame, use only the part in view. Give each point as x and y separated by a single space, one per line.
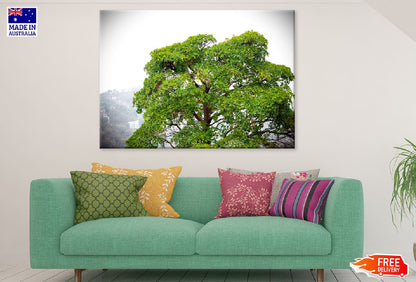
156 192
262 235
131 236
105 195
244 194
302 199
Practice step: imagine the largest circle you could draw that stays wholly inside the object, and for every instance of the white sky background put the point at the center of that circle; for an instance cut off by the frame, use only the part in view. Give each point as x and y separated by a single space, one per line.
128 36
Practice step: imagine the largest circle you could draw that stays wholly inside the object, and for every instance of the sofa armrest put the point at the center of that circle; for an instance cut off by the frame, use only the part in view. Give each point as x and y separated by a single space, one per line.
344 219
52 209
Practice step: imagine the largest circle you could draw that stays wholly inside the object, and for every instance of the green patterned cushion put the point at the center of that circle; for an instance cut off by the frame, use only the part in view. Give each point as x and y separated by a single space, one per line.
100 195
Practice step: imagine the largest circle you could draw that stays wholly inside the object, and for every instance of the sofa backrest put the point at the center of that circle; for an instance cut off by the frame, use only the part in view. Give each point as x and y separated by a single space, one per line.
197 198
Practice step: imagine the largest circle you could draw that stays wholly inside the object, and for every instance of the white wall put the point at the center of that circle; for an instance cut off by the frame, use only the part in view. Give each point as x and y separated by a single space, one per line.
399 12
355 97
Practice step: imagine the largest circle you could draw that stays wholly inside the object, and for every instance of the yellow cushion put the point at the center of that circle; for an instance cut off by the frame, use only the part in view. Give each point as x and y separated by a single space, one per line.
156 192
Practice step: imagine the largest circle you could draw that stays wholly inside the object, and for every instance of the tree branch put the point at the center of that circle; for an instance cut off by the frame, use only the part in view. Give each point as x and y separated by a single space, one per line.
221 120
167 141
198 117
207 114
177 126
229 130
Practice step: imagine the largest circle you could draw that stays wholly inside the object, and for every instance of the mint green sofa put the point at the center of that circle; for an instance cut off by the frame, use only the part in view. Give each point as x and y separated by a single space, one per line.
195 240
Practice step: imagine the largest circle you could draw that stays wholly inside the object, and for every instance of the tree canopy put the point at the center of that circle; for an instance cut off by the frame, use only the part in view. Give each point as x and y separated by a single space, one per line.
204 94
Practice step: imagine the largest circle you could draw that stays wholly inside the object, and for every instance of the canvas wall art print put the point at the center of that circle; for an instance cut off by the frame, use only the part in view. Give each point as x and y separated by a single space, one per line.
197 79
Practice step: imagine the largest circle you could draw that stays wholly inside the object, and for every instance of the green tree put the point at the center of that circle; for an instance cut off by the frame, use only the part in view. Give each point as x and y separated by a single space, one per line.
204 94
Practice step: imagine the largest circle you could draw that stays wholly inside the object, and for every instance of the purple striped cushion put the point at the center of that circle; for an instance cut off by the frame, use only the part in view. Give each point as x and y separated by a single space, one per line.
302 199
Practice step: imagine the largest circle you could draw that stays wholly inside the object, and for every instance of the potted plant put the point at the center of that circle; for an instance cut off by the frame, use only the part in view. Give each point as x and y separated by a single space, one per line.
403 200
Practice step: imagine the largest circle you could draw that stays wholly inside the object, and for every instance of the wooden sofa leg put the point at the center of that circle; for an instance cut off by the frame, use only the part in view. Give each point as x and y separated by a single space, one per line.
78 274
320 275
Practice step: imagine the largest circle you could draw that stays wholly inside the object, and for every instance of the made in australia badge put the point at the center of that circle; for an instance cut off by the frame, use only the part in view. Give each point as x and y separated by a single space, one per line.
22 22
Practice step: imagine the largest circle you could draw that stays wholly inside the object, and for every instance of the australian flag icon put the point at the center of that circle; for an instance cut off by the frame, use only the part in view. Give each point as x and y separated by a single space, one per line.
22 15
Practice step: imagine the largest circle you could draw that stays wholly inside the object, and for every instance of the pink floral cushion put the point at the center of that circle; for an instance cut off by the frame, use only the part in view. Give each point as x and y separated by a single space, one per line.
244 194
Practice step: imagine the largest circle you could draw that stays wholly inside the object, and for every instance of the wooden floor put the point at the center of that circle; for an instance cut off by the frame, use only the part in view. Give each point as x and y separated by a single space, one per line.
14 274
